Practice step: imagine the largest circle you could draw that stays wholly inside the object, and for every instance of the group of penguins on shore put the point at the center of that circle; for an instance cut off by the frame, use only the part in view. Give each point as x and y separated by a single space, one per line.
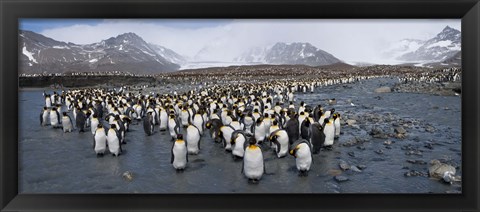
242 118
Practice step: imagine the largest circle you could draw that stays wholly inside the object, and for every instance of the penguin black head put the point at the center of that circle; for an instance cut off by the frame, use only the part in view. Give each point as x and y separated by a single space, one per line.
99 126
54 108
275 122
64 113
332 110
113 126
95 116
302 103
44 108
302 113
252 141
179 137
326 120
256 110
278 103
334 116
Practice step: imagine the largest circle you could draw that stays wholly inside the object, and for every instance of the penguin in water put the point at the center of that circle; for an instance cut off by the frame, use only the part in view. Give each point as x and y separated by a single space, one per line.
239 142
44 115
303 156
193 139
99 140
55 118
292 129
317 137
336 122
253 166
225 133
173 126
279 139
329 131
148 125
67 123
113 140
179 157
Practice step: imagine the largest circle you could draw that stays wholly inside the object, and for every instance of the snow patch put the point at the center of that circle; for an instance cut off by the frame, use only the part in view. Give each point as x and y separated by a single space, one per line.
61 47
93 60
28 54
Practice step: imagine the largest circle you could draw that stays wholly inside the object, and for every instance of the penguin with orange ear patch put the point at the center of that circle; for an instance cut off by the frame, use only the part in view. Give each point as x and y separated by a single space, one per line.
303 156
253 164
179 157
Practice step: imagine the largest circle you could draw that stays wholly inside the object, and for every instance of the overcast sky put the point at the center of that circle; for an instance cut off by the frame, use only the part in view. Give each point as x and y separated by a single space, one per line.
348 40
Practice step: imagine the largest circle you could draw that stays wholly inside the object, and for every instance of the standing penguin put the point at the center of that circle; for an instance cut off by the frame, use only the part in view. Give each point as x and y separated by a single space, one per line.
44 115
248 122
336 122
48 100
80 121
253 164
259 130
199 122
179 157
193 139
99 140
163 120
94 122
303 156
214 126
239 142
317 137
279 139
292 129
225 133
55 118
67 123
173 126
329 131
148 125
304 129
113 139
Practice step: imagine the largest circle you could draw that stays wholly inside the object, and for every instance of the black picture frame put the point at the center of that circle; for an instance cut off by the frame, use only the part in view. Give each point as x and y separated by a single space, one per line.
467 10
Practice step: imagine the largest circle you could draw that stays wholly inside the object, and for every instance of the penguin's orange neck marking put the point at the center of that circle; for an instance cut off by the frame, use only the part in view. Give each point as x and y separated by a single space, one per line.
253 147
179 141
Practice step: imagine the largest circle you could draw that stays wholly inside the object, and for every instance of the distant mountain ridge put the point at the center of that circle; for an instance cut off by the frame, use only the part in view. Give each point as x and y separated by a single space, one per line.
443 46
127 52
288 53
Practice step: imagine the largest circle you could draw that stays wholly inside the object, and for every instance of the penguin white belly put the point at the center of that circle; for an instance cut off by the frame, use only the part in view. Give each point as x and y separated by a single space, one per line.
337 127
179 156
163 120
329 132
48 102
198 122
53 119
303 157
100 141
171 130
45 117
260 132
253 163
94 125
236 125
67 125
227 135
283 141
184 118
238 149
193 137
113 142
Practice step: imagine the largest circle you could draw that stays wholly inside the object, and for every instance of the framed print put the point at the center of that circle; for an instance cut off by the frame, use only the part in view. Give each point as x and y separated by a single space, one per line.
239 105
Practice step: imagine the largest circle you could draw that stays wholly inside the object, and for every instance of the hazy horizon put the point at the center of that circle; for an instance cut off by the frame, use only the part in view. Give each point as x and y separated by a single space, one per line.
362 40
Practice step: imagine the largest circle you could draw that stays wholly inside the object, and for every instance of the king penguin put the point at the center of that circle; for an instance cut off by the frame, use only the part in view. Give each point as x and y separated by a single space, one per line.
292 129
44 115
173 126
55 118
148 125
193 139
253 164
329 131
99 140
303 156
113 139
225 133
279 139
179 154
67 123
317 137
336 122
238 142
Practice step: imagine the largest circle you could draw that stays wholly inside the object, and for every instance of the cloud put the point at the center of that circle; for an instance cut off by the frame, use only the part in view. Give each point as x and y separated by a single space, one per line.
349 40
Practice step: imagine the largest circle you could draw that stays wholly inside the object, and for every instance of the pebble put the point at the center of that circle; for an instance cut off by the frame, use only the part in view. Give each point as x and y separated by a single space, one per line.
344 165
351 122
361 147
387 142
340 178
355 169
379 151
414 173
421 162
400 130
429 129
128 176
362 167
351 154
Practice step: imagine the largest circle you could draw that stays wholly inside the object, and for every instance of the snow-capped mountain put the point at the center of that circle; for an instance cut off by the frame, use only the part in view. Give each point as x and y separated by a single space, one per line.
169 54
288 53
402 47
125 53
443 46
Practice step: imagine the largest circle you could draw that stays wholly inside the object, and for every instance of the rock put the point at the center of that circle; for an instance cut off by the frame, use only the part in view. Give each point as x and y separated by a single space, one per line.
351 154
340 178
400 136
128 176
414 152
414 173
421 162
383 90
429 146
353 141
400 130
355 169
351 122
334 172
380 152
362 167
361 147
344 165
429 129
437 169
387 142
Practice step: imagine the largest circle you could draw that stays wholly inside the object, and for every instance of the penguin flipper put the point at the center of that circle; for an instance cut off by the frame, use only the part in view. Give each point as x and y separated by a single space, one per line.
243 165
172 156
41 118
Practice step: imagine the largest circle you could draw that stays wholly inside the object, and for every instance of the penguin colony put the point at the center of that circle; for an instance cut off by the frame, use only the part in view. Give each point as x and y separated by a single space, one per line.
246 120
